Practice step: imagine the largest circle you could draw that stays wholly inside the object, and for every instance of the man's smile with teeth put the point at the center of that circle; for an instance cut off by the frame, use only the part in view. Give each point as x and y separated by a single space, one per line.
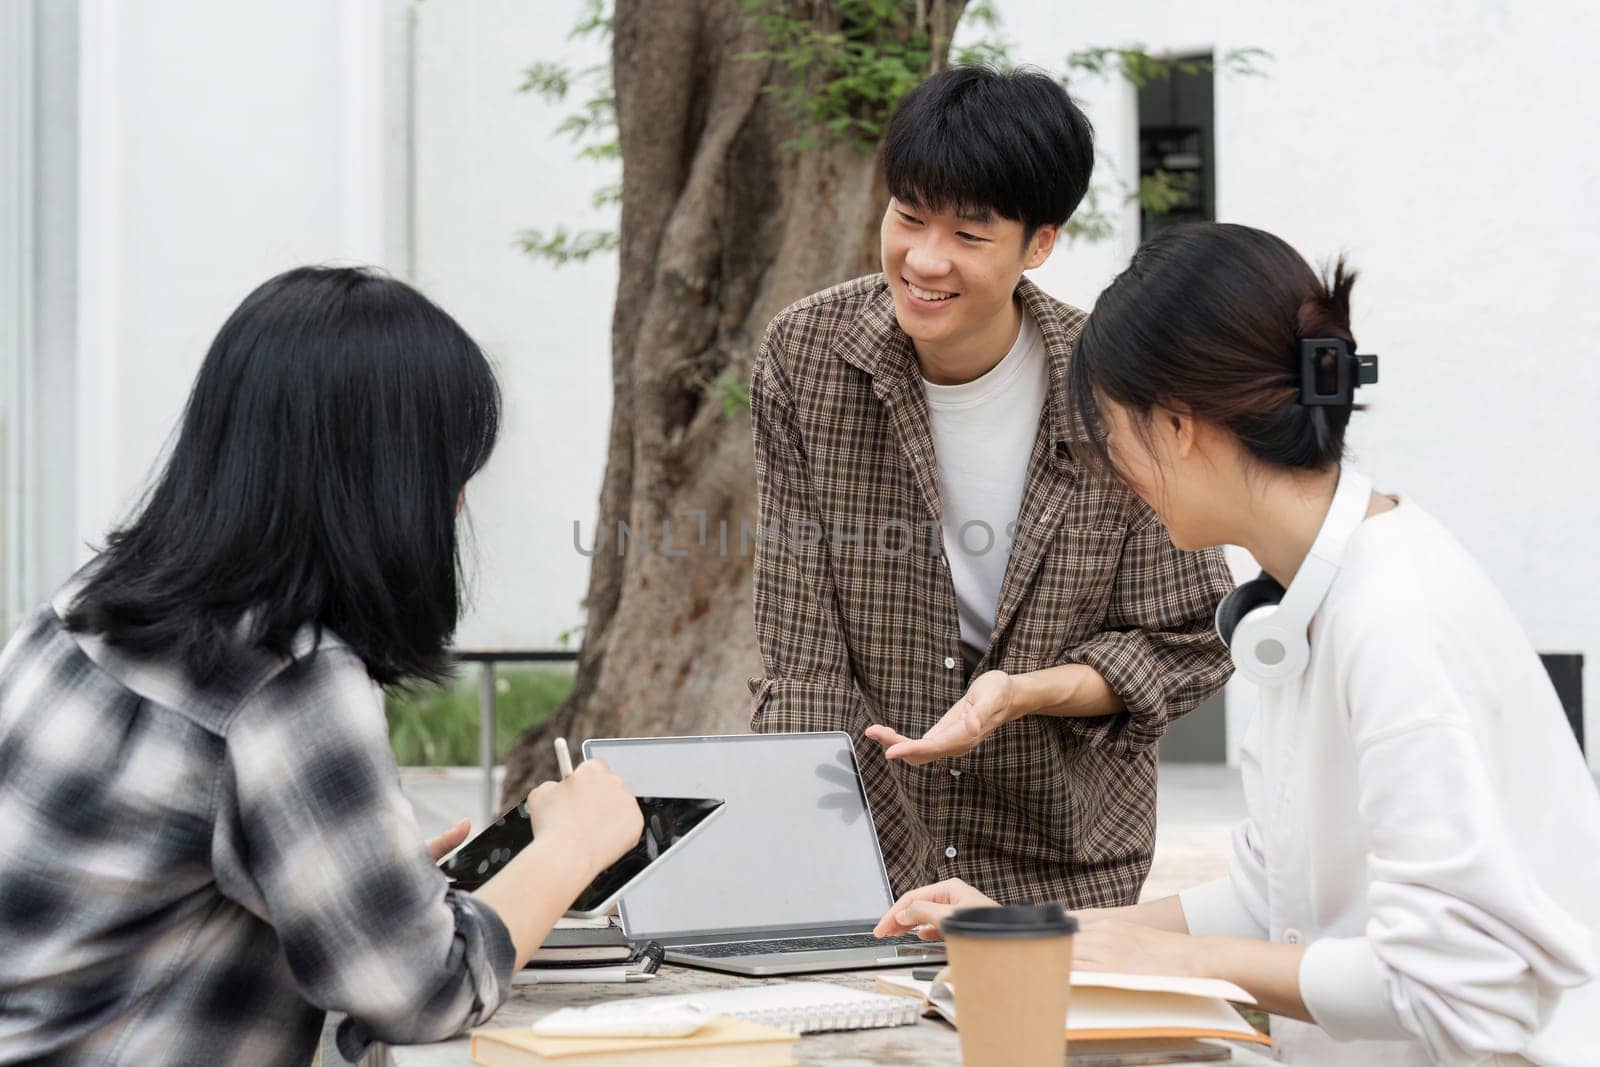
928 294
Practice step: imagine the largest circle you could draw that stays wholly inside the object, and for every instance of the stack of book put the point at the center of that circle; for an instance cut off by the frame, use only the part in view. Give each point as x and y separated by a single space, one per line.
591 950
730 1042
751 1026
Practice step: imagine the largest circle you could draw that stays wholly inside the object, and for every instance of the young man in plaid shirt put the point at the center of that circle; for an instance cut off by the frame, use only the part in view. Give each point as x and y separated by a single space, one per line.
1005 631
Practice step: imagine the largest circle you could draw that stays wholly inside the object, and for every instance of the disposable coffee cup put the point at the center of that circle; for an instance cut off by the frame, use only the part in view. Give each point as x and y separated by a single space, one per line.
1011 968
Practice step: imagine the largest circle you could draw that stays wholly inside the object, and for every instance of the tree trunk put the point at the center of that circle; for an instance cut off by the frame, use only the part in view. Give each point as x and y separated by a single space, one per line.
721 229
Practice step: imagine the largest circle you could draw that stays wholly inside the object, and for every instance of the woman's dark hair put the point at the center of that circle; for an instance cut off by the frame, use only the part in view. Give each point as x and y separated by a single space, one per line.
1210 316
972 140
331 429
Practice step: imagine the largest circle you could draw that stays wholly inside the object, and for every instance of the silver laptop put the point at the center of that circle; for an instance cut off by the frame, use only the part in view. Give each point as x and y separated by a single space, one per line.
789 880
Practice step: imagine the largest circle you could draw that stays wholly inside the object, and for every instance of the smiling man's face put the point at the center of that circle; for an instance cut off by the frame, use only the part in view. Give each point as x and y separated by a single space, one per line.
952 276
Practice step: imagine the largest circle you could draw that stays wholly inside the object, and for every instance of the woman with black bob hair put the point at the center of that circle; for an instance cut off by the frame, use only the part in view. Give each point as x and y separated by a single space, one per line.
203 843
1419 876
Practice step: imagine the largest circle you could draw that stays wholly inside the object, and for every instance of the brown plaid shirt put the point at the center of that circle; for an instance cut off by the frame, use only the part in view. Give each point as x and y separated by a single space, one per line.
856 613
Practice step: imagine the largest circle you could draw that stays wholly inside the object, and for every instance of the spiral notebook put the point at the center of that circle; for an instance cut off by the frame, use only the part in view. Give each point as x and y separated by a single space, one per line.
798 1007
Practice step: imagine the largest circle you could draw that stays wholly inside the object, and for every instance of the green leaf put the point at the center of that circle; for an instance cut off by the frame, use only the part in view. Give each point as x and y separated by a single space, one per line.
594 21
1091 222
1243 61
1163 191
841 80
562 246
734 393
438 726
601 152
839 70
549 80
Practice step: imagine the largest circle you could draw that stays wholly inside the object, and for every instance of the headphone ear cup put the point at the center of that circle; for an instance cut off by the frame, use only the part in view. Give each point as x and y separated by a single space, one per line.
1262 592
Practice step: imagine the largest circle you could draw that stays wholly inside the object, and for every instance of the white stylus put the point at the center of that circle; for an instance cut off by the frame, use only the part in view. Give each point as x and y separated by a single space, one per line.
563 757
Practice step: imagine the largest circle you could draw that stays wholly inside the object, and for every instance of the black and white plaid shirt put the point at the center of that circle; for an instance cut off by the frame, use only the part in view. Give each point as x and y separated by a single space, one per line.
195 876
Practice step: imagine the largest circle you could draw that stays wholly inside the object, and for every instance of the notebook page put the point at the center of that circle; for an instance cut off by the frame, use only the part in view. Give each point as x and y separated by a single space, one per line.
1100 1009
799 1007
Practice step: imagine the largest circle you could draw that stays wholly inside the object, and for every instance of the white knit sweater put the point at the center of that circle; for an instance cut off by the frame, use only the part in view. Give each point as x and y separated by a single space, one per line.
1421 816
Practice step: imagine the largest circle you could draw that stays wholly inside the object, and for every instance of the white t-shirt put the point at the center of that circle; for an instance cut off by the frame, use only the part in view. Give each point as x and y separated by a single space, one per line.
983 434
1421 817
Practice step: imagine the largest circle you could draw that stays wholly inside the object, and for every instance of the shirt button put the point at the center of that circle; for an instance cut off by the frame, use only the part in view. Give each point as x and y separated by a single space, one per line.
949 663
955 772
1291 937
950 853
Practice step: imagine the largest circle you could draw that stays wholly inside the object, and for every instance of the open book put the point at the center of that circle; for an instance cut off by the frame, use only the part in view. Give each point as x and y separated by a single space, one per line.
1110 1007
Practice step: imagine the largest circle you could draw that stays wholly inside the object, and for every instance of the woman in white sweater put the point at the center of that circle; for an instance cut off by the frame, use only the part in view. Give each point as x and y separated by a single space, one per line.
1419 876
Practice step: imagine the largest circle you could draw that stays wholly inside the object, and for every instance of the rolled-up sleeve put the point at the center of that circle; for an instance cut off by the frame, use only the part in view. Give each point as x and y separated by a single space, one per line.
317 838
1158 648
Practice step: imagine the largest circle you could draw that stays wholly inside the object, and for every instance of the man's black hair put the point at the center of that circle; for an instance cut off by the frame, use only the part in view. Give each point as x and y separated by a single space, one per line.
976 140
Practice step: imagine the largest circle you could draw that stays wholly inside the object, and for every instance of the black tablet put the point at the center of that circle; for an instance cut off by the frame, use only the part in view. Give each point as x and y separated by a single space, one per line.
669 823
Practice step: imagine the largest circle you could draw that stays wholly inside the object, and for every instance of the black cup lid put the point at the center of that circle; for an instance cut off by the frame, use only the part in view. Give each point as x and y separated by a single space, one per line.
1018 921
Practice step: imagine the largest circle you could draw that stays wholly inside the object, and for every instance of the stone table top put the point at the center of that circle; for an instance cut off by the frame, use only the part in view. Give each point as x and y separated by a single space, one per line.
930 1043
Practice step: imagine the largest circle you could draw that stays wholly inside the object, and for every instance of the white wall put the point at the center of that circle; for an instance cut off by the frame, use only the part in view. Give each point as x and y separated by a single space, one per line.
17 143
211 146
487 168
38 297
220 144
1440 146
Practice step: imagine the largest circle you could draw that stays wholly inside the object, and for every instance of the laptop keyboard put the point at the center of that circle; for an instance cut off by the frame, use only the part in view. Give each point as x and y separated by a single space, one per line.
725 949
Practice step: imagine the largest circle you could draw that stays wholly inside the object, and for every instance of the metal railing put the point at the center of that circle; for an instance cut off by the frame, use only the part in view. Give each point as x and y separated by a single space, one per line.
487 658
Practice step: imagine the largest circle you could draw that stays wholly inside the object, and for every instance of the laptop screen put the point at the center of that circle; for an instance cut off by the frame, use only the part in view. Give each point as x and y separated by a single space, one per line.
794 848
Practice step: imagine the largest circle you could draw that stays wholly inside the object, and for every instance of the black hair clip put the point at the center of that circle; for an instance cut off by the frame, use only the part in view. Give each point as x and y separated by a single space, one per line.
1326 382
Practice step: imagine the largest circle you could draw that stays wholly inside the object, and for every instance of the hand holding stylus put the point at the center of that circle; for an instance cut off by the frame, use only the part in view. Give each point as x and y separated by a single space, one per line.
589 809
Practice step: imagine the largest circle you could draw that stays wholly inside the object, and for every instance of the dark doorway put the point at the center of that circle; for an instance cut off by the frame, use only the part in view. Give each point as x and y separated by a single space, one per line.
1177 152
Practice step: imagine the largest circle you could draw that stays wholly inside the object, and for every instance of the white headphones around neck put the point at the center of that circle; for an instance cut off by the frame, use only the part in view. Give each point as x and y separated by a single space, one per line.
1265 627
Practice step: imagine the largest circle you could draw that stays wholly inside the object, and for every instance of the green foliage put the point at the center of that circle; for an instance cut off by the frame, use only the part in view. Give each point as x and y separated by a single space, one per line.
840 76
990 50
562 246
546 79
596 119
595 21
1162 191
1134 64
1091 222
437 727
734 393
841 81
593 128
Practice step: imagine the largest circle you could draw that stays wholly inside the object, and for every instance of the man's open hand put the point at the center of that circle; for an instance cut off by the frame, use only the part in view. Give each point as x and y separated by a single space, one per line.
987 705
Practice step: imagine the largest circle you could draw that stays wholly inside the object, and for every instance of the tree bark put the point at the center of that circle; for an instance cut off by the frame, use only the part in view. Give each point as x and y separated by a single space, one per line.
721 228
